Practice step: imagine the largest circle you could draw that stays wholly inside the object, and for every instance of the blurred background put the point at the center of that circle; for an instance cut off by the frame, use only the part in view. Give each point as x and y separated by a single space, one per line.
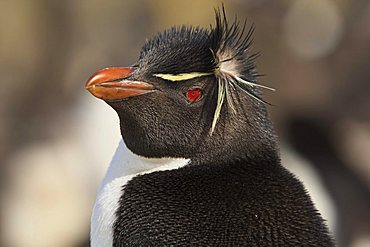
56 140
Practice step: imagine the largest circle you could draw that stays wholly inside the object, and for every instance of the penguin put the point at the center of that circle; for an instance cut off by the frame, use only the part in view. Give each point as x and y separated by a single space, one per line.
198 163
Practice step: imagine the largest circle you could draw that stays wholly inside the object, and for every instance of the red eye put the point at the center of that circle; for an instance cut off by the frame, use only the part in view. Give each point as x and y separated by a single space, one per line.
193 94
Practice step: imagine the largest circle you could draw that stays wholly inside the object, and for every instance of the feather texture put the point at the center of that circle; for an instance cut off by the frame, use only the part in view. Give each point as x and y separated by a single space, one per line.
230 48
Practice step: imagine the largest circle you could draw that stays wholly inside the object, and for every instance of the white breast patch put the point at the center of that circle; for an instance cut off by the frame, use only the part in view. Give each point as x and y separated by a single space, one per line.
125 165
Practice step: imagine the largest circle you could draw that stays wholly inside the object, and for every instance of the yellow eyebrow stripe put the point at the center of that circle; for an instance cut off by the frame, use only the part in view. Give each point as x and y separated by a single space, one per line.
182 76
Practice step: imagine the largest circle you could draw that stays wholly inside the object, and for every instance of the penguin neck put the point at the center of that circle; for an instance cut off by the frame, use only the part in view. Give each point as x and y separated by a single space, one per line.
125 166
242 153
127 163
245 141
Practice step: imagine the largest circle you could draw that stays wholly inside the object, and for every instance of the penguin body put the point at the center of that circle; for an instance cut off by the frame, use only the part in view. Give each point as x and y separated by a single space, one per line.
199 163
234 204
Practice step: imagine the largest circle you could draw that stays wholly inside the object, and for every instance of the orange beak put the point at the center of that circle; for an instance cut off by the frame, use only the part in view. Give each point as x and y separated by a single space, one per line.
110 84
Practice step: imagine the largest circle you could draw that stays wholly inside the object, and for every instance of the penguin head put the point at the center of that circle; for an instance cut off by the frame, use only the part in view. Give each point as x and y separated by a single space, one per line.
193 93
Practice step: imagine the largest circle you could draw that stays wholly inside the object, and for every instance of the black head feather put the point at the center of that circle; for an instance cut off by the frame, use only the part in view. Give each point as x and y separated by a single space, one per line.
201 50
222 51
188 46
232 43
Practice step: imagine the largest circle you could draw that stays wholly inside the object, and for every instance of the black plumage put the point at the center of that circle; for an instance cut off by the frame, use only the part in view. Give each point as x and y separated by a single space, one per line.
234 191
235 204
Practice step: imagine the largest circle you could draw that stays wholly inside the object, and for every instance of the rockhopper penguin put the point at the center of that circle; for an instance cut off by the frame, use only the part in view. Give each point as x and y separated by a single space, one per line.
199 163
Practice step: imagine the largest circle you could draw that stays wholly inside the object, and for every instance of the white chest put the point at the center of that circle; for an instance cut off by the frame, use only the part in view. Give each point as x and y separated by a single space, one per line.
125 165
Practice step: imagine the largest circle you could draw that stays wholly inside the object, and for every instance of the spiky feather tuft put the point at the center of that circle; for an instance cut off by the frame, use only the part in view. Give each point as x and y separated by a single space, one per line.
230 49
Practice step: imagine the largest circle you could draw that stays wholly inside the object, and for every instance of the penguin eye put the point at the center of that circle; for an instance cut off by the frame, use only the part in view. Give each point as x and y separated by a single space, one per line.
193 94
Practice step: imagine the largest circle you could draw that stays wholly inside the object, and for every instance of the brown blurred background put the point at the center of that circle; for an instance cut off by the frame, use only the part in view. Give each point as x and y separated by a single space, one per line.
56 140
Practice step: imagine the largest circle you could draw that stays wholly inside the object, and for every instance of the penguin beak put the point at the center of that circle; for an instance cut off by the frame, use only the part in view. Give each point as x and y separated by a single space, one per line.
111 84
